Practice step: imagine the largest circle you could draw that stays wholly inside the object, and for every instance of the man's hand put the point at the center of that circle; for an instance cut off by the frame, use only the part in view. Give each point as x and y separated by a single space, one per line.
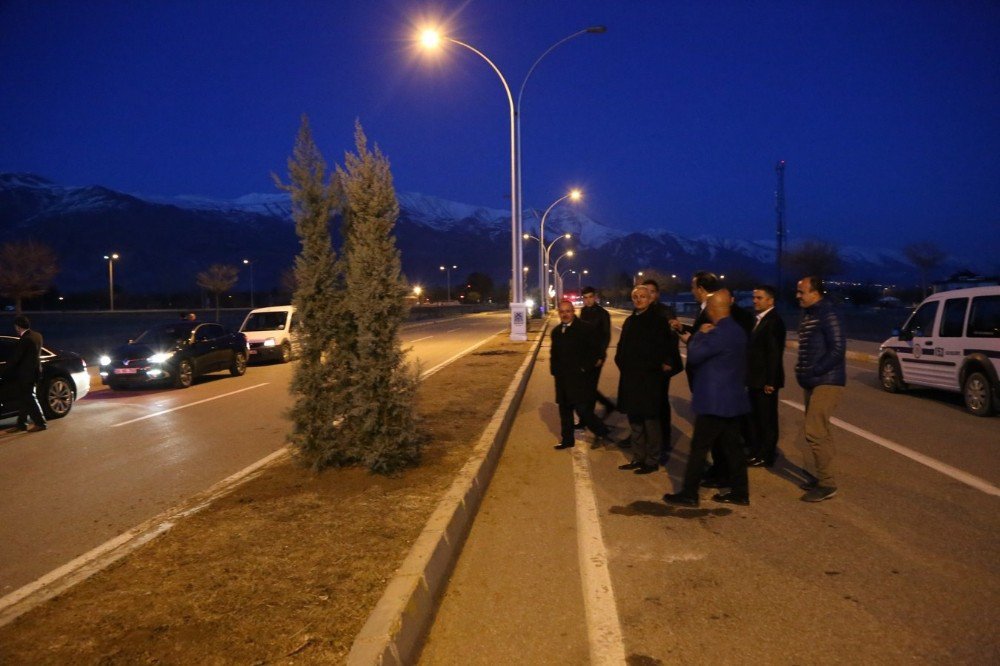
667 368
676 325
599 363
706 327
769 390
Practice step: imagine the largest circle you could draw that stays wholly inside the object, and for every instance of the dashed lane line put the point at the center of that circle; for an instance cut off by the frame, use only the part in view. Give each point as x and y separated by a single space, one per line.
426 337
936 465
428 373
190 404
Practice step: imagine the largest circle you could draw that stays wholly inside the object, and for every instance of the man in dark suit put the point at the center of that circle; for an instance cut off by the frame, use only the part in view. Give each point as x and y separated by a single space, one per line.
599 319
718 354
21 373
676 363
573 360
765 377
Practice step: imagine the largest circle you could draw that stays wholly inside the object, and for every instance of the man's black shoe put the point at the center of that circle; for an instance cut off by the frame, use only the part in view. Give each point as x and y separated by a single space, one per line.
680 500
38 428
630 466
646 469
564 446
714 483
17 428
731 498
755 461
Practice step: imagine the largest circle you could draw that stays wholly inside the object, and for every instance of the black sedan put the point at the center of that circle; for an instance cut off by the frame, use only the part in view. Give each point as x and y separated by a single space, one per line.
64 380
175 353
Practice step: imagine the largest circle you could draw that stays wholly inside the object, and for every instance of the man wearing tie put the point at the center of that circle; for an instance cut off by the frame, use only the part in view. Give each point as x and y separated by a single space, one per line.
765 377
574 359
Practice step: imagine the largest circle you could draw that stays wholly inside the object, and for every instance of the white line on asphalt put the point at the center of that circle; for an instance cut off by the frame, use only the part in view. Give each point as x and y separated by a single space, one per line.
428 373
426 337
190 404
604 629
451 330
937 465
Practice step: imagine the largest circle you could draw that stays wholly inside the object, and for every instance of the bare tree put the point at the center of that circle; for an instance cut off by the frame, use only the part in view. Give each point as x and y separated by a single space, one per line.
218 279
815 257
926 257
27 269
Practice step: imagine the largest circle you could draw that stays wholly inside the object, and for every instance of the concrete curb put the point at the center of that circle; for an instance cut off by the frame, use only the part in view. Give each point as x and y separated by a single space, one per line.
394 632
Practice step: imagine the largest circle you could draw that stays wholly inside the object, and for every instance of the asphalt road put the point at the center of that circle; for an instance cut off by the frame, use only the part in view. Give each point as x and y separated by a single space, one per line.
901 566
121 458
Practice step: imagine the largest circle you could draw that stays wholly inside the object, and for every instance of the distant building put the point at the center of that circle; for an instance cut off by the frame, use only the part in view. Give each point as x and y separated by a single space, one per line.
964 280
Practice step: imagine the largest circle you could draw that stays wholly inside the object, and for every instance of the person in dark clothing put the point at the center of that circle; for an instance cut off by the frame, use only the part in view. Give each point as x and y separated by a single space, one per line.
593 314
642 357
20 375
765 377
676 364
573 360
718 354
659 308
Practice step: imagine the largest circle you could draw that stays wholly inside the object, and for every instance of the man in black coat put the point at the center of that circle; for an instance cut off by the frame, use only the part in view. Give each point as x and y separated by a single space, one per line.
573 360
765 377
675 362
20 374
642 357
599 319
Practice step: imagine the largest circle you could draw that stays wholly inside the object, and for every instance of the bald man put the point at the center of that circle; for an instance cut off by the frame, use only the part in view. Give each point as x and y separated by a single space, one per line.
718 355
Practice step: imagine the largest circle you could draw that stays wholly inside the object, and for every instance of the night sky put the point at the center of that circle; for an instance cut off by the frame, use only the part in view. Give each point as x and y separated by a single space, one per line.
887 113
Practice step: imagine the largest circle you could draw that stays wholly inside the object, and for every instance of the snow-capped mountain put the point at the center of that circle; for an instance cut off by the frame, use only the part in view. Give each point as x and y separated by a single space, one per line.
164 241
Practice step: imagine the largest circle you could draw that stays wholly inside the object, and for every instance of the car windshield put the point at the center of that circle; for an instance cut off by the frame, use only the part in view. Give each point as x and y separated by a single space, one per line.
265 321
165 335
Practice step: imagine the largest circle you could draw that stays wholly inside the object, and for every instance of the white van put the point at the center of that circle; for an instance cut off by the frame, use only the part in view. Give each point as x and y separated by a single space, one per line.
950 342
272 333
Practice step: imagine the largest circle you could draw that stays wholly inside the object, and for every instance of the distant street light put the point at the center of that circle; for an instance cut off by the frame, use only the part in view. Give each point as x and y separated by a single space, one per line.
543 257
430 38
555 273
448 269
417 290
111 278
249 263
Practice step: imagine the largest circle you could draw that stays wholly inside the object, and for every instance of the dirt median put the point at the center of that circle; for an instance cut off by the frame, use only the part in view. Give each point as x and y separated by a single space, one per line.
286 568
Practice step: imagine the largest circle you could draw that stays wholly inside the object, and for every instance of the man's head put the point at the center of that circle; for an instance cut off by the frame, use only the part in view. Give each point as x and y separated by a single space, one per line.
589 296
653 287
763 297
704 283
21 323
641 298
809 291
566 312
718 305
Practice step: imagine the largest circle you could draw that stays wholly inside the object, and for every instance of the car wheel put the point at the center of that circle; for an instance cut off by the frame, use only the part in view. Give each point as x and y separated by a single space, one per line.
185 374
286 352
978 394
889 375
56 397
239 366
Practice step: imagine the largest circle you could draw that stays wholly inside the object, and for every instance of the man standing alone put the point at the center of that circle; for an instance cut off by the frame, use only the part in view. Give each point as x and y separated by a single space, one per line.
822 372
765 377
573 360
21 373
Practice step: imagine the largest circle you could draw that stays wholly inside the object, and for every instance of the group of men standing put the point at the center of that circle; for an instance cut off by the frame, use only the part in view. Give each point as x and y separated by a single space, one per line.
735 370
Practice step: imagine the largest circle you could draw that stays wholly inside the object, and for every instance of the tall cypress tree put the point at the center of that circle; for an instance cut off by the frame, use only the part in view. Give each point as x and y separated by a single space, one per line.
320 385
383 386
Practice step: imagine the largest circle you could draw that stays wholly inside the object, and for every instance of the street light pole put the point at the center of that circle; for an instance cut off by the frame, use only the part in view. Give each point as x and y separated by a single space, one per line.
447 270
518 314
249 263
111 279
555 273
573 195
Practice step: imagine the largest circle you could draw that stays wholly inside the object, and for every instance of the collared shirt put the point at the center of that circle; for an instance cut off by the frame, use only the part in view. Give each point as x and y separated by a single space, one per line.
761 315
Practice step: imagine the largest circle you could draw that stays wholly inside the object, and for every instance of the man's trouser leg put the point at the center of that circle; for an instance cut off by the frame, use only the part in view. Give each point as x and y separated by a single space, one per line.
566 424
587 417
820 403
707 430
645 440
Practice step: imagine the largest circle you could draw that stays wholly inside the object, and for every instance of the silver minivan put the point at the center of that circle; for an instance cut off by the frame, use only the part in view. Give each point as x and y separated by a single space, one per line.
950 342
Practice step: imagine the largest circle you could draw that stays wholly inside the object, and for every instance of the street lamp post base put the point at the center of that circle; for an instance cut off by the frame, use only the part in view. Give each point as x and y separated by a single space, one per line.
518 322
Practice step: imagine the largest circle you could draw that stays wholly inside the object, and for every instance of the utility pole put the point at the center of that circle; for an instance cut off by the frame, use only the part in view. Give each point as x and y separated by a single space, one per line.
779 207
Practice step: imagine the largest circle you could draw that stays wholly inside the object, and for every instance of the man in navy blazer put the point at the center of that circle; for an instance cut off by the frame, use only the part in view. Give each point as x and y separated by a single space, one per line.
765 377
718 355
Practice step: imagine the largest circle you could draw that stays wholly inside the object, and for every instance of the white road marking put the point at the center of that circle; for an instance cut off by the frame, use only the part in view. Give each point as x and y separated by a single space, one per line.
428 373
604 629
936 465
426 337
451 330
190 404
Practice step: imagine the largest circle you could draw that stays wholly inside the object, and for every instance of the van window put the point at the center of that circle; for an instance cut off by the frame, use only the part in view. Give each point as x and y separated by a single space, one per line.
984 321
921 324
265 321
953 317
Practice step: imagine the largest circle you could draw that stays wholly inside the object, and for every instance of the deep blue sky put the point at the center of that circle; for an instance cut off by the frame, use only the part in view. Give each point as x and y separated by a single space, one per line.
887 113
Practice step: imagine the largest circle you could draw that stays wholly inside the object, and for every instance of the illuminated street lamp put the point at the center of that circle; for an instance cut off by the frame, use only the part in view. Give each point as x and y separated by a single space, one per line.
448 270
417 290
111 278
431 39
545 252
555 273
247 262
543 257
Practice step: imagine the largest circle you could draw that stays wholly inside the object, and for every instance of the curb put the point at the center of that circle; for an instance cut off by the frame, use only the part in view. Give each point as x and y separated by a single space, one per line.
394 632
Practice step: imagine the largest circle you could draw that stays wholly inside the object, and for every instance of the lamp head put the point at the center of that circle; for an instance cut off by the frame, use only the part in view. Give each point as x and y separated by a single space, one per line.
567 235
575 195
525 236
569 253
430 38
597 29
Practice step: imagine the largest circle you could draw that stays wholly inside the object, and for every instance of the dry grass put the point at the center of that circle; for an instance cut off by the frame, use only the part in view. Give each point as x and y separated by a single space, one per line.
283 570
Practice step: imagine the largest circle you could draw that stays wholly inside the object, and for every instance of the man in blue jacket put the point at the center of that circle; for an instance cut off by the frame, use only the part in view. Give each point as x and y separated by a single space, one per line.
718 355
822 372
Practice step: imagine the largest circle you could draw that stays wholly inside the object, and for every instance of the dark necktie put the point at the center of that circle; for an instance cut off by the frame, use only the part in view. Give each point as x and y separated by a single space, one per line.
565 326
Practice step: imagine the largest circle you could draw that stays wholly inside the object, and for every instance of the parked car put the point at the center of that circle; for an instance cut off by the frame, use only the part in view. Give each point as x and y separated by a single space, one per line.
64 380
175 353
272 333
950 342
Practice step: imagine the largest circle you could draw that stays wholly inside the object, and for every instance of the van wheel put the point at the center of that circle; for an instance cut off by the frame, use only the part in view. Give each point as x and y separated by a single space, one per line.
978 394
889 375
286 352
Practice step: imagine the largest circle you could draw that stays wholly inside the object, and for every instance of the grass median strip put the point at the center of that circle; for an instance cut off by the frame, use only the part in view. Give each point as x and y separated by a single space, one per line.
285 568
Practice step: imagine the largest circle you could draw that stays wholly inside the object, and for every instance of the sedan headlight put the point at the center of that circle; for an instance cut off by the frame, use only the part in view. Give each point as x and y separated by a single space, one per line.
105 360
162 357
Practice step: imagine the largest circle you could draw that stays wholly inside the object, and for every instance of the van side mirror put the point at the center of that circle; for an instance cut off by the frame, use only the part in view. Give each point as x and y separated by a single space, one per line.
904 336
